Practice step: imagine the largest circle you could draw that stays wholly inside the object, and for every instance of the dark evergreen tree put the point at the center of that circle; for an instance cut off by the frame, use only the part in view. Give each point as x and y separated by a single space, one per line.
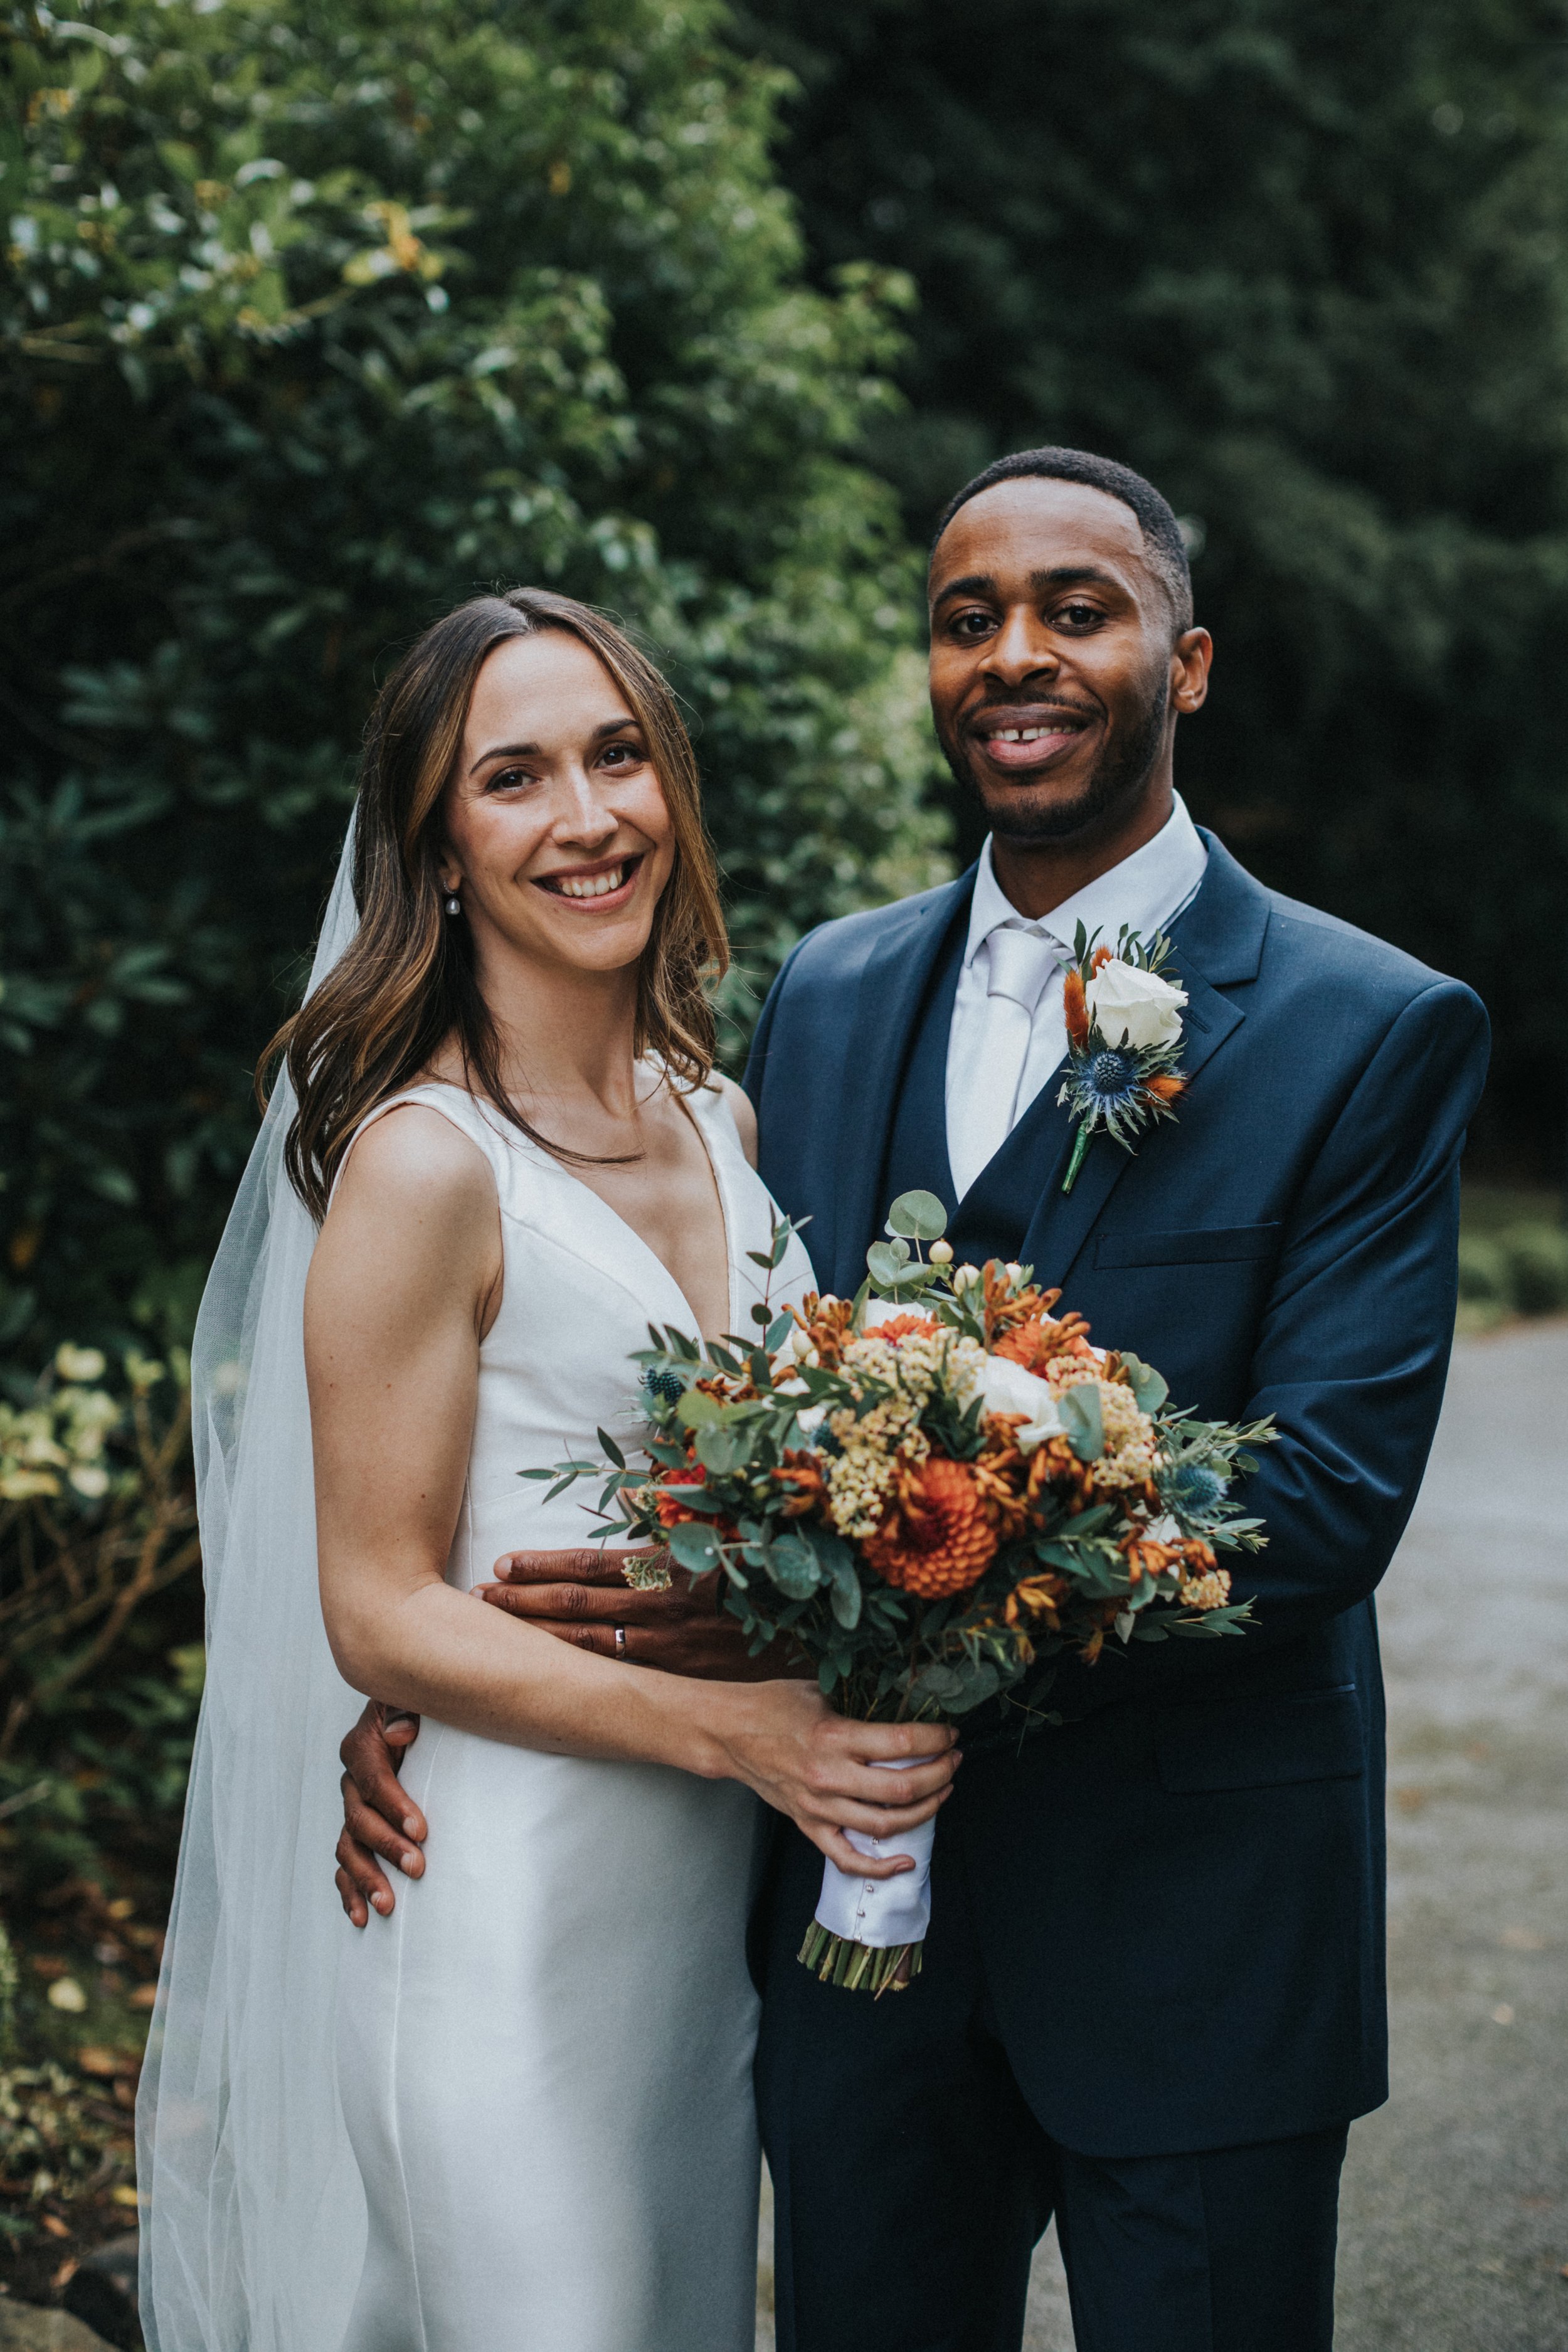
1305 263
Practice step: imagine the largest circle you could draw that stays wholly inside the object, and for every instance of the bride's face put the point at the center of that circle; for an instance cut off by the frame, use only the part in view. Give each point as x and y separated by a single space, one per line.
558 839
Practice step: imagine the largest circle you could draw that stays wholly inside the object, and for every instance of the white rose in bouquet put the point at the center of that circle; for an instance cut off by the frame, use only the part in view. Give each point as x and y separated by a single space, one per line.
1006 1387
1131 1007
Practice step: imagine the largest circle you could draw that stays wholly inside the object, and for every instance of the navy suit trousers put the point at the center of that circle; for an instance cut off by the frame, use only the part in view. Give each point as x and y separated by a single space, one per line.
912 2181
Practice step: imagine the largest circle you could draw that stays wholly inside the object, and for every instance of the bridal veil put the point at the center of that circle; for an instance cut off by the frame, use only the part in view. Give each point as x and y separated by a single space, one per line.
253 2216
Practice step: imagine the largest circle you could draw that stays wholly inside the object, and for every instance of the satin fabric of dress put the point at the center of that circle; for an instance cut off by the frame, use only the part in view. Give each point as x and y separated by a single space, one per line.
545 2054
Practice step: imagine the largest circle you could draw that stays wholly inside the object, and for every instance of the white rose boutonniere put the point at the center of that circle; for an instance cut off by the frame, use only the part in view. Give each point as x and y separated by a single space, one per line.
1124 1041
1130 1006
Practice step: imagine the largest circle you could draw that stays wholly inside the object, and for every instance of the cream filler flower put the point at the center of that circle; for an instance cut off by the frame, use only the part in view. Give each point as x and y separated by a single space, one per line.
875 1444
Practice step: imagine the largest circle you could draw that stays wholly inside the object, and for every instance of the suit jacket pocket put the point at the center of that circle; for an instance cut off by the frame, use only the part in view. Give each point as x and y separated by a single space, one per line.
1192 1245
1262 1742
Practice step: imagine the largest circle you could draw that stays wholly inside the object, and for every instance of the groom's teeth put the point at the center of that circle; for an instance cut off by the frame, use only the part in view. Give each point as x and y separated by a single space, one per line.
591 885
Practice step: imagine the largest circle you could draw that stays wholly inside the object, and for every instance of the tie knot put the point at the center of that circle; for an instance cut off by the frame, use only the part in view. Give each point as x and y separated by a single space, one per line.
1021 963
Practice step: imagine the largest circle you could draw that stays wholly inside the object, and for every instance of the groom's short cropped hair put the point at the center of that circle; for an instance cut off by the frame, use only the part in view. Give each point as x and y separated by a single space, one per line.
1164 546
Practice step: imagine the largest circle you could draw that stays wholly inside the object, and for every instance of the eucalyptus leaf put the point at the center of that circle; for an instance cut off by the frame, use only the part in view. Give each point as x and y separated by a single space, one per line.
697 1411
777 1332
720 1450
886 1261
1082 1421
794 1565
695 1547
612 1449
1149 1388
918 1215
958 1687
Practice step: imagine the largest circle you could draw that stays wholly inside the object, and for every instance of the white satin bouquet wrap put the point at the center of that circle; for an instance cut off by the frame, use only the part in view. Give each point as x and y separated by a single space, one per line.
881 1915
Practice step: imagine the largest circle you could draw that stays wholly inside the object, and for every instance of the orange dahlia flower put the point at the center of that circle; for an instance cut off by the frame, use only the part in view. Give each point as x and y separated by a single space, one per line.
936 1540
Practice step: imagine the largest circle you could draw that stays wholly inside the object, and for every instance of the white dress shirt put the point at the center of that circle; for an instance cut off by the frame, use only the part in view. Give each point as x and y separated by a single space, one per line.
1147 891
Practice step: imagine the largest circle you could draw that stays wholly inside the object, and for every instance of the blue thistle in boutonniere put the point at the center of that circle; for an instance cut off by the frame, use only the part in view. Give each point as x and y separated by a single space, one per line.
1124 1040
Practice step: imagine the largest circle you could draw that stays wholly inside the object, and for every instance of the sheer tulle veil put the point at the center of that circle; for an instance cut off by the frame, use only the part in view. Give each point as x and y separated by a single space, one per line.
253 2216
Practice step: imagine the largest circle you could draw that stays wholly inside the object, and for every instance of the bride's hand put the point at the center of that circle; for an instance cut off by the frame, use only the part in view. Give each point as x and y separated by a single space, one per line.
783 1740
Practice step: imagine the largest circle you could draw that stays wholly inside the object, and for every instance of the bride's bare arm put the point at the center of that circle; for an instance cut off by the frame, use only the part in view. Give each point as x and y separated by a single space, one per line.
405 1281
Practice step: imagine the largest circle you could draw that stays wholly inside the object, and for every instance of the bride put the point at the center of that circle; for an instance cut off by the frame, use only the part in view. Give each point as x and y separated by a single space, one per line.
516 2116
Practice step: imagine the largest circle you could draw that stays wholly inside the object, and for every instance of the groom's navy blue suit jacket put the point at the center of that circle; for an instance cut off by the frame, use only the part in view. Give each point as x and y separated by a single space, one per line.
1178 1895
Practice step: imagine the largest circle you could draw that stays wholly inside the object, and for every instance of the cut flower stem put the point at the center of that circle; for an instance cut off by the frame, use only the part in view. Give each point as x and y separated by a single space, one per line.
859 1967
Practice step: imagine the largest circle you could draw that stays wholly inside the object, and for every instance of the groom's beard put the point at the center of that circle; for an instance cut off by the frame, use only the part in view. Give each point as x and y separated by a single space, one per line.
1114 786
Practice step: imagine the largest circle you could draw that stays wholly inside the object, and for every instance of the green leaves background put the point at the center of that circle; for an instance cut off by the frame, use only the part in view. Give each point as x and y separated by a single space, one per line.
317 316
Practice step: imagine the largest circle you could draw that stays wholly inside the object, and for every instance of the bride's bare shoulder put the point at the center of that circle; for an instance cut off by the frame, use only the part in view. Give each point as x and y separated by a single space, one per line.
413 1162
741 1112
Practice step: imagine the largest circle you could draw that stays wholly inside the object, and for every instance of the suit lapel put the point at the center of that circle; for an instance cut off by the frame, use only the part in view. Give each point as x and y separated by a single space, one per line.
1220 934
887 1005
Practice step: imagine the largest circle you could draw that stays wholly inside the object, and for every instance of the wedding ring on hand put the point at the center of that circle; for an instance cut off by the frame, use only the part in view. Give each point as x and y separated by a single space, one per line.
620 1641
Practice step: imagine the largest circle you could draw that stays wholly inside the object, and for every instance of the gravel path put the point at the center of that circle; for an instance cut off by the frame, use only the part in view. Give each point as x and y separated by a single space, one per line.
1453 2223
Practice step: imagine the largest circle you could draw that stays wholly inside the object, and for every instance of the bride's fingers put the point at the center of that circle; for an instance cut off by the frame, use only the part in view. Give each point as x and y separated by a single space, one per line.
889 1790
895 1743
850 1859
878 1821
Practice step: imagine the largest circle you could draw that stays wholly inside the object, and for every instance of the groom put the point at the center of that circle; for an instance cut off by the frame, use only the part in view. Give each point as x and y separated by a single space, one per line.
1154 1993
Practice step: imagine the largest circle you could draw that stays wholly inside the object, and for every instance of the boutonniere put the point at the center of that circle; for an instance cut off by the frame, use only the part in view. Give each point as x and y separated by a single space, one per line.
1124 1040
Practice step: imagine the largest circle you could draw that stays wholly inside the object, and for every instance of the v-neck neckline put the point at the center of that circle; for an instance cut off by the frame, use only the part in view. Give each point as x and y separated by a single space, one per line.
641 1240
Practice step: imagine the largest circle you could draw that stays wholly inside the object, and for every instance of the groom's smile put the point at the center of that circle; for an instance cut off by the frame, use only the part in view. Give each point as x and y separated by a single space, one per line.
1020 739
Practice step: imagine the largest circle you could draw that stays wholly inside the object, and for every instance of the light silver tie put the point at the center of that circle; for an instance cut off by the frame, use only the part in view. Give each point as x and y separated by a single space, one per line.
1021 964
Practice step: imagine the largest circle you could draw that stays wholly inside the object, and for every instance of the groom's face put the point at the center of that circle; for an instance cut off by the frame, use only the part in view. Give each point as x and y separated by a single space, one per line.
1053 680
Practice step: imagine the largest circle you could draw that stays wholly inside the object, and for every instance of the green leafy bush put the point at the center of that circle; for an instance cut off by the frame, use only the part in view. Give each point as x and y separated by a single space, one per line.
1519 1269
316 318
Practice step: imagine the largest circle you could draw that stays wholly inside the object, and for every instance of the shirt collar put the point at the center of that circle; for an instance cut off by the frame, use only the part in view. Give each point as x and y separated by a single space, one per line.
1146 891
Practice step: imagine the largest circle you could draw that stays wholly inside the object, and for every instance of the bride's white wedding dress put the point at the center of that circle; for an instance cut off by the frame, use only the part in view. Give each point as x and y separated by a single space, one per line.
545 2055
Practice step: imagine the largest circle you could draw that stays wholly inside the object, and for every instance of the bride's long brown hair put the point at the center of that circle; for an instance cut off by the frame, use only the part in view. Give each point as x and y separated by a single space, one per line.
406 983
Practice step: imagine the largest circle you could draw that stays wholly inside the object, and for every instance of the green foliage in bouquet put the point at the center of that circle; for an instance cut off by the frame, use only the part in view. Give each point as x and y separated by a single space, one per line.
934 1490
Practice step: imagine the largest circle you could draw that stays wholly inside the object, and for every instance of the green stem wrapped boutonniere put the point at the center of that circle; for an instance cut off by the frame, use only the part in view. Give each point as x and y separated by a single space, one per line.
1124 1040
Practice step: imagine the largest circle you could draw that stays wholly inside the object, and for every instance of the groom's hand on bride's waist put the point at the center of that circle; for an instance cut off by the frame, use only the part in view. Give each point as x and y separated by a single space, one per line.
379 1817
580 1597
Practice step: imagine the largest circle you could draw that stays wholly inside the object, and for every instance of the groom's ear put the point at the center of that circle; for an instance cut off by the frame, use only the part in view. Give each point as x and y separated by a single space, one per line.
1192 656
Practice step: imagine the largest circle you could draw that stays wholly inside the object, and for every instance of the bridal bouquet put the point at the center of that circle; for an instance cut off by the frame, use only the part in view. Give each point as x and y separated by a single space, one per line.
932 1491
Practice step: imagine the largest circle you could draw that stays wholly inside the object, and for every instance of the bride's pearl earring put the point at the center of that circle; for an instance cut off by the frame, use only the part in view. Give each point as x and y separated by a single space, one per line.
454 904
